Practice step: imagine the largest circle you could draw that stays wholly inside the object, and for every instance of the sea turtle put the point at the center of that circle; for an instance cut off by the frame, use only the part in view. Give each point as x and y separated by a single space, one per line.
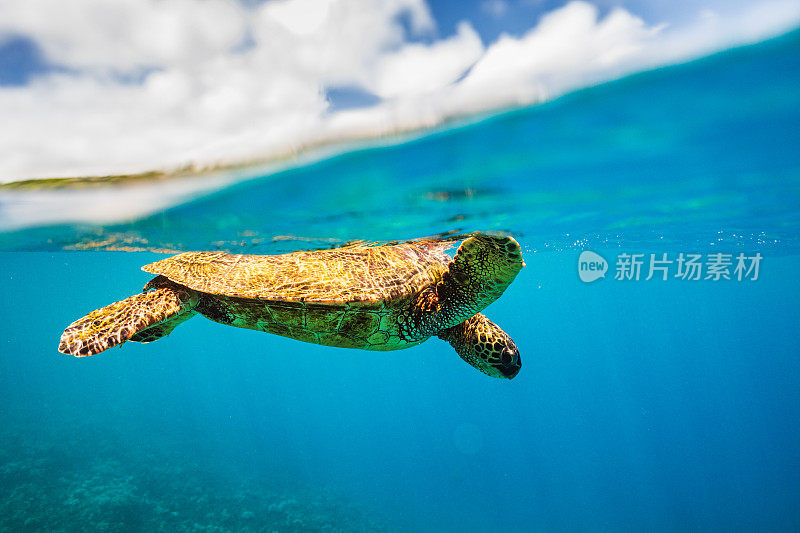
370 297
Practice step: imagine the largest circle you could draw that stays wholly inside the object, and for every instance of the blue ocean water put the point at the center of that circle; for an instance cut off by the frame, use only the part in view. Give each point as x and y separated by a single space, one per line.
658 405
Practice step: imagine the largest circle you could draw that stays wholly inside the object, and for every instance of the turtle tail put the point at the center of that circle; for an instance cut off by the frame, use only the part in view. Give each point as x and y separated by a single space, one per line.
143 317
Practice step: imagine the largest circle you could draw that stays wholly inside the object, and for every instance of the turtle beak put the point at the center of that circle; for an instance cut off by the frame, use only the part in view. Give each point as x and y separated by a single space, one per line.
510 363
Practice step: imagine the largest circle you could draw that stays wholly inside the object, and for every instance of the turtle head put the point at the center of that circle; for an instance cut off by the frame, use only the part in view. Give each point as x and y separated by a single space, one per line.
481 343
483 267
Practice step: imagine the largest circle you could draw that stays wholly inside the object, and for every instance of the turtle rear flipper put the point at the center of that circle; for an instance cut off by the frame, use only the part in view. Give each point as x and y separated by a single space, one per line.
118 322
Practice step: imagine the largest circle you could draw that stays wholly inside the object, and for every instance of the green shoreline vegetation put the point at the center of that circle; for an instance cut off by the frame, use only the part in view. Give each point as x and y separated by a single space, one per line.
83 181
79 182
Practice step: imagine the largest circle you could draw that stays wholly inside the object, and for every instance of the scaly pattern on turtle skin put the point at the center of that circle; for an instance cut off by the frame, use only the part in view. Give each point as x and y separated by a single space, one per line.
116 323
162 329
351 325
483 267
481 343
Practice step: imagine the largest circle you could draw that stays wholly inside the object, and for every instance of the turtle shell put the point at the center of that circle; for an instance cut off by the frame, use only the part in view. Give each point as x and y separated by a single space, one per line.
368 274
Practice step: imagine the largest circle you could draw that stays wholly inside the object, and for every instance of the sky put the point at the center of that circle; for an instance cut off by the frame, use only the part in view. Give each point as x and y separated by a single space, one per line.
96 87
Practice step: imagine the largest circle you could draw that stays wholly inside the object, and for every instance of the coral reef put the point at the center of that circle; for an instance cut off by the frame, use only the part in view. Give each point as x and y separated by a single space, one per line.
51 485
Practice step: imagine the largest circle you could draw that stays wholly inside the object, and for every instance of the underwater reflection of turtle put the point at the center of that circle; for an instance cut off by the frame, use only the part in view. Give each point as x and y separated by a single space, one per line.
370 297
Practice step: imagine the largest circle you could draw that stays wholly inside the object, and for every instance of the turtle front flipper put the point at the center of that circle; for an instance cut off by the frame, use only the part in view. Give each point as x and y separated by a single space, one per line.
481 343
162 329
116 323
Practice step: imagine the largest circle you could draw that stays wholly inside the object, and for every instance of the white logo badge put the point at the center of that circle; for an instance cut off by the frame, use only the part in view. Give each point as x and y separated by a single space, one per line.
591 266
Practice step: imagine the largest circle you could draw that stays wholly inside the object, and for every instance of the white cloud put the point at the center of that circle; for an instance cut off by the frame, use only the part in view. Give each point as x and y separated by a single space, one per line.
121 35
418 69
222 82
206 101
342 47
715 30
570 47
